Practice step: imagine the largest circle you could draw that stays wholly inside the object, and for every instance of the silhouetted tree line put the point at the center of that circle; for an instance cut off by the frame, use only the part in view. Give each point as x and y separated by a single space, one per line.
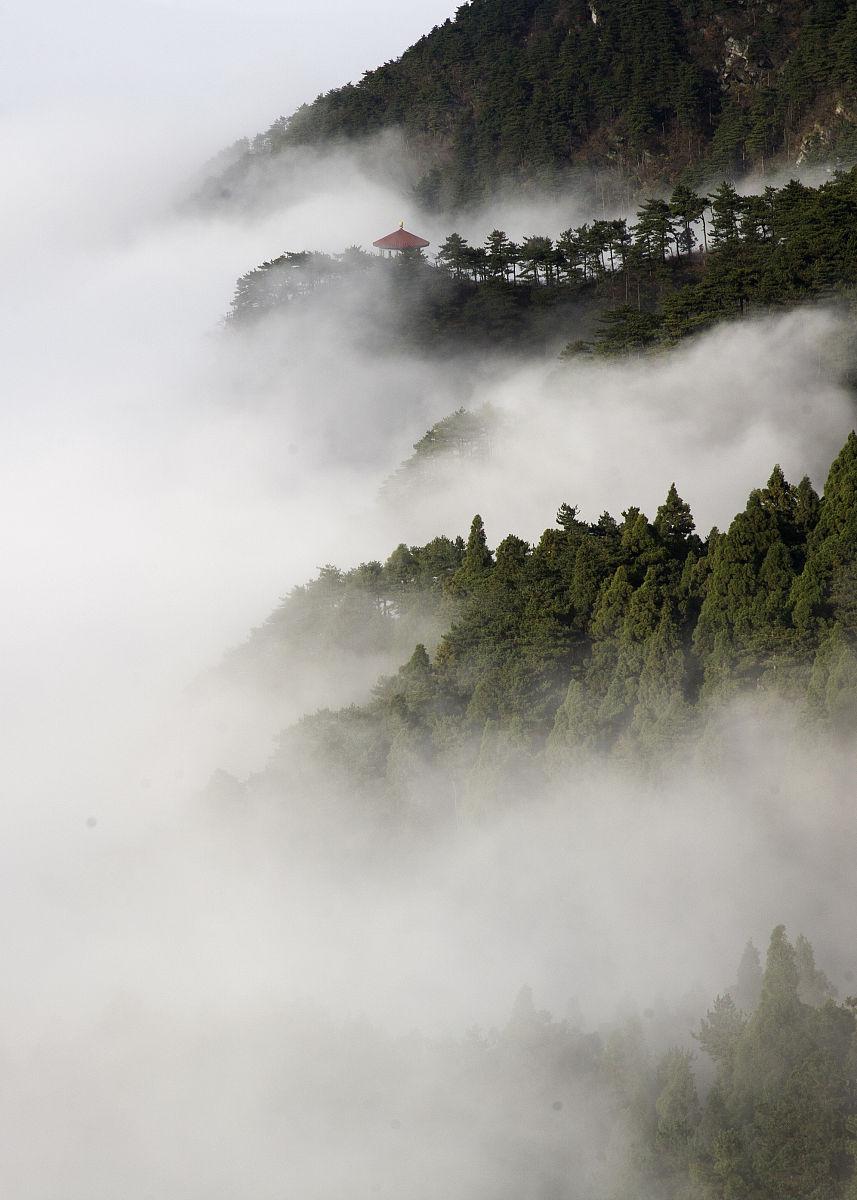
684 264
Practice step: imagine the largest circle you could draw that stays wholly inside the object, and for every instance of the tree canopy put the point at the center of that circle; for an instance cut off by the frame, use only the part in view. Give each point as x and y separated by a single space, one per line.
535 90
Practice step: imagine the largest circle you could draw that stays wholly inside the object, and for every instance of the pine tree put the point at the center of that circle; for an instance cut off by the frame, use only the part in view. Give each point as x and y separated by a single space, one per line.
591 565
641 549
688 208
654 230
612 606
497 250
831 544
416 681
770 612
400 569
807 507
566 518
746 606
505 769
674 523
475 565
453 254
779 996
726 208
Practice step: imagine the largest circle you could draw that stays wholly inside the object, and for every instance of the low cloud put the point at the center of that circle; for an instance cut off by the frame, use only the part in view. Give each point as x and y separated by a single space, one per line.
163 482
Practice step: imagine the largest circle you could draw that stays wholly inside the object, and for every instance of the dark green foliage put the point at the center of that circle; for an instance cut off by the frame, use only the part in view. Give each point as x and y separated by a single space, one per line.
674 523
630 290
476 563
408 303
533 90
749 611
825 591
566 518
601 637
654 232
627 330
661 716
726 209
687 208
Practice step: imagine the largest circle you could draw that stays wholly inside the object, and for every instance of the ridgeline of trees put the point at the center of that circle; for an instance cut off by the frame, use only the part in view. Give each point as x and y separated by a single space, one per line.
527 90
616 637
685 264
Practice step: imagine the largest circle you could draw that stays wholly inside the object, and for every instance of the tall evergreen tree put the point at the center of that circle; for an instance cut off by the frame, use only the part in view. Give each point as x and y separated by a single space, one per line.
831 544
726 208
476 563
674 523
654 231
688 208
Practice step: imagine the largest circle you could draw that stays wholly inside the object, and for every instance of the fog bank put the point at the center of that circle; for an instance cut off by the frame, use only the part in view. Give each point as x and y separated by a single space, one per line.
177 974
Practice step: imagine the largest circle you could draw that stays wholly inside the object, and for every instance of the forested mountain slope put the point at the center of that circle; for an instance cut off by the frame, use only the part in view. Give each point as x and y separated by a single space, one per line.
607 286
526 90
614 637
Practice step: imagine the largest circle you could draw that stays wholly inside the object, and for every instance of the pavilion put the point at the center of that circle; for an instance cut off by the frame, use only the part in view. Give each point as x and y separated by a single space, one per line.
399 240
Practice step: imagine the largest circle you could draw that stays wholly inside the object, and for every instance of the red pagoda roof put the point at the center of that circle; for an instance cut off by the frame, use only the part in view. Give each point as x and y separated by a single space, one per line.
400 240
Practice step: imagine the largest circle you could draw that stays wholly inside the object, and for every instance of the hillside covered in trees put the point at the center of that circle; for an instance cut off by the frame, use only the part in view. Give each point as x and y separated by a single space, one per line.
618 637
607 286
527 91
749 1095
613 641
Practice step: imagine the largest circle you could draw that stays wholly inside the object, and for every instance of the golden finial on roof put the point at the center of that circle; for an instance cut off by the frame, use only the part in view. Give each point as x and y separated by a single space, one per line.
401 224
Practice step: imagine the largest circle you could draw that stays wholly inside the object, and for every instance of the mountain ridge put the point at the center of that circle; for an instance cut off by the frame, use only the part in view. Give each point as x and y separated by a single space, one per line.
530 92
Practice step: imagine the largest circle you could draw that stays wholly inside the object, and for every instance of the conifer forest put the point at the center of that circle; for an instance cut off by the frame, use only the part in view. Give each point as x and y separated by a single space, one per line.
430 656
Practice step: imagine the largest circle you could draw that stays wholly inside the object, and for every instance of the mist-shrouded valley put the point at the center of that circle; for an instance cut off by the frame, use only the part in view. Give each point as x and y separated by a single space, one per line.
430 678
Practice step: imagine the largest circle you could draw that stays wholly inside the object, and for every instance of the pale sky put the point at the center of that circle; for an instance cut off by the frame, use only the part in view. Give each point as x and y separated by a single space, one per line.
245 62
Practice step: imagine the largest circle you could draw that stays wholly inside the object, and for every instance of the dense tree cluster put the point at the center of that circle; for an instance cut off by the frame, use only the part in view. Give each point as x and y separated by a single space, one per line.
684 264
618 637
406 303
525 89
